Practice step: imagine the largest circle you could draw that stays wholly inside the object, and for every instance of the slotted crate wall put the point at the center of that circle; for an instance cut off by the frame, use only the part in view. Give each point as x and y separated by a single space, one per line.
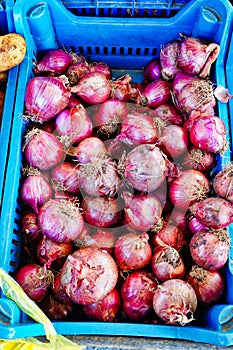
126 44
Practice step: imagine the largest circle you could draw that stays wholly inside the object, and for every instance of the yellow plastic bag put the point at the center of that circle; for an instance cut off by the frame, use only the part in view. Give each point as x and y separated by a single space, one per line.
13 291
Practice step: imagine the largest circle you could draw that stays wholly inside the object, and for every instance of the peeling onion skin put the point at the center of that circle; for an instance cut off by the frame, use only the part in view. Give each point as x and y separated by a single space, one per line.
175 302
223 183
88 275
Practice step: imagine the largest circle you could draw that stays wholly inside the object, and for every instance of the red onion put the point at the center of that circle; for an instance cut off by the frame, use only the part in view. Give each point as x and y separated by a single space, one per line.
101 67
104 239
213 212
106 309
175 302
177 218
84 239
191 93
35 280
109 116
142 211
137 292
138 128
56 61
152 70
190 186
208 285
145 167
166 263
43 150
88 275
50 253
170 235
99 177
93 88
209 134
133 251
65 177
174 141
45 97
74 102
168 60
60 220
223 183
195 57
30 227
121 88
198 159
168 113
89 148
58 291
102 212
76 71
195 225
35 191
210 249
155 94
74 124
54 309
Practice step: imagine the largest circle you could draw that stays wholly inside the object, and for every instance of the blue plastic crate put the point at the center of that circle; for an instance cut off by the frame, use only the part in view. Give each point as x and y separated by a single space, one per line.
125 8
126 44
229 75
6 26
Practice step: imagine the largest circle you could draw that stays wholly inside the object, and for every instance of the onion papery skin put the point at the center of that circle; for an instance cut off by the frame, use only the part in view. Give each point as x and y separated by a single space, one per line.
133 251
175 302
60 220
155 94
166 263
100 178
170 235
168 60
102 212
93 88
138 128
168 113
76 71
57 61
213 212
101 67
209 286
45 97
65 177
109 116
223 183
50 253
137 292
74 124
193 56
210 249
209 134
104 239
54 309
174 141
35 191
141 211
106 309
43 150
88 275
89 148
34 280
121 88
198 159
145 168
191 93
188 187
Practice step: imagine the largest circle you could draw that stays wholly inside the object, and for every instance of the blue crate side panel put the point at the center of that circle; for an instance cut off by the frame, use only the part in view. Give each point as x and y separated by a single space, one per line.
6 26
126 44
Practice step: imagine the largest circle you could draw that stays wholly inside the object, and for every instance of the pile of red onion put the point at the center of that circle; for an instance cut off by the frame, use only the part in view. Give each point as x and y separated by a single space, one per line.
125 217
